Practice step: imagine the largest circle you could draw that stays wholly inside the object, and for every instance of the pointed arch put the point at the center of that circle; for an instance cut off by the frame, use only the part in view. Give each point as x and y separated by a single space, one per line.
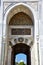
20 7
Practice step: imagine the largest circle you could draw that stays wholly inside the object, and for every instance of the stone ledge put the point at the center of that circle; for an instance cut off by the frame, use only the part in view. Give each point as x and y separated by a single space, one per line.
20 0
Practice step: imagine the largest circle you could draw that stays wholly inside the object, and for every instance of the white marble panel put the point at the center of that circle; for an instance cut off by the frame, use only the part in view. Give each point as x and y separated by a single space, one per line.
20 0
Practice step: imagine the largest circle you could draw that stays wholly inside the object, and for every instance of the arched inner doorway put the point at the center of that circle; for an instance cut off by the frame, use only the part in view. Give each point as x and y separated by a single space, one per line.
21 48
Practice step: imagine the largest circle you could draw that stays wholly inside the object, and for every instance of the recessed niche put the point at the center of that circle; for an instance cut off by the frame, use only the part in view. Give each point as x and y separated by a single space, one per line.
19 31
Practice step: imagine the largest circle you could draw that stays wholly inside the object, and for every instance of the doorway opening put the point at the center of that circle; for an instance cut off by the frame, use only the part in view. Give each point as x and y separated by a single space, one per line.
21 52
21 59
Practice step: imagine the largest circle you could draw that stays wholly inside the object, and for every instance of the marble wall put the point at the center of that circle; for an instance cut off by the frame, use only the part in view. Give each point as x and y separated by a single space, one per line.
34 4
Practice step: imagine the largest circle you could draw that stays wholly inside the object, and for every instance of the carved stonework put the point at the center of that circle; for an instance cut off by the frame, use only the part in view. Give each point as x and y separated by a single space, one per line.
7 5
19 31
27 41
21 19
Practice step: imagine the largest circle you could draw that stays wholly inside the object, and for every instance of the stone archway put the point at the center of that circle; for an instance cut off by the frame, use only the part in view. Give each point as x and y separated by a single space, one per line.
24 8
21 48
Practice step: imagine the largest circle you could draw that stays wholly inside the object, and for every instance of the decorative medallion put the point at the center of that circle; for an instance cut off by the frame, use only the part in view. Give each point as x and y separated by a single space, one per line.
20 39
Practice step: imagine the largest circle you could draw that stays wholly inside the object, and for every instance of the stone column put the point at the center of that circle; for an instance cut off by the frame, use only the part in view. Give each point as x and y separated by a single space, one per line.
41 30
2 44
